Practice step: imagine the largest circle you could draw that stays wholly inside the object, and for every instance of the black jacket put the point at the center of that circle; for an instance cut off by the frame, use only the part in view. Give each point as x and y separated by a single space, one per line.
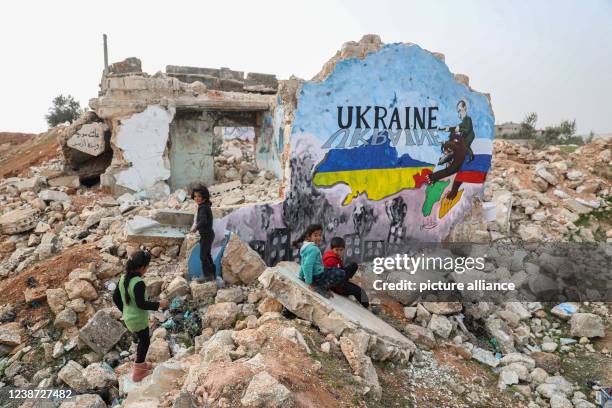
139 292
204 220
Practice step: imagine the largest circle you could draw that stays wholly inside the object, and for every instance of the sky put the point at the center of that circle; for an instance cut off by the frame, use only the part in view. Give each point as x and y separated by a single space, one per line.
553 57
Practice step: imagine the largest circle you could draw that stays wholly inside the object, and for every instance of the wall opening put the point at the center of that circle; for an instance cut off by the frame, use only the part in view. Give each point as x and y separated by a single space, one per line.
234 152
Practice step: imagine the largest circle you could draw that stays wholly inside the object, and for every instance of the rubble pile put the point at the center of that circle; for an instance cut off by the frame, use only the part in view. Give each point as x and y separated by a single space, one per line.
63 247
550 194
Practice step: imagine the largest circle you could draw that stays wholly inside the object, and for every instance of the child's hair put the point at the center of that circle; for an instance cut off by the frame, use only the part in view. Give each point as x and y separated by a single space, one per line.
337 242
462 104
136 261
311 229
203 191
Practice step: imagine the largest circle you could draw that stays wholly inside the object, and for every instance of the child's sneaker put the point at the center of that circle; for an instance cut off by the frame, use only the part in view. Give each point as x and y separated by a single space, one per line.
326 293
220 282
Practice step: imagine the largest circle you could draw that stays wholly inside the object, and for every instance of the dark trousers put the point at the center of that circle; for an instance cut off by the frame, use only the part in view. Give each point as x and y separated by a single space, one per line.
346 288
143 345
208 266
328 278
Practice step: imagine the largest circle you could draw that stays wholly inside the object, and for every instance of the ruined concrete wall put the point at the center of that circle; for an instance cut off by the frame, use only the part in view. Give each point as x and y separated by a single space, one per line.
130 96
365 180
142 140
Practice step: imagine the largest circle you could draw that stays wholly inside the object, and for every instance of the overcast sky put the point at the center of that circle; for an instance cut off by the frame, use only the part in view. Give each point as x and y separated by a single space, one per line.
552 57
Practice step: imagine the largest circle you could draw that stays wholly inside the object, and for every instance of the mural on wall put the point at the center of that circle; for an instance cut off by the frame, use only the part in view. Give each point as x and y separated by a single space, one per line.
385 150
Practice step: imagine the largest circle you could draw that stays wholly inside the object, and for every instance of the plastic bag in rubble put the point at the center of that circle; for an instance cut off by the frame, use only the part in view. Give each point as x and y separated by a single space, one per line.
169 324
176 304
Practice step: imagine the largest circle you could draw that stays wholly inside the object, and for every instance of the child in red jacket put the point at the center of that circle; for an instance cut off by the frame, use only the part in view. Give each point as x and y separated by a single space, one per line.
332 258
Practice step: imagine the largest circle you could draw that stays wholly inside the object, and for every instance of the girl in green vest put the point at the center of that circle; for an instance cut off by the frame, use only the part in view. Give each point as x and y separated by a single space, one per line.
131 298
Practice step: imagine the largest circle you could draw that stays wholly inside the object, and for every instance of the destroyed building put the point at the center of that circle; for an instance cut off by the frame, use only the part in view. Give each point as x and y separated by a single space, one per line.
363 179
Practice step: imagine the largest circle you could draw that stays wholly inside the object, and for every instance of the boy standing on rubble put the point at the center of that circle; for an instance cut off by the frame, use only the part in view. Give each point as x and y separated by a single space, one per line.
204 226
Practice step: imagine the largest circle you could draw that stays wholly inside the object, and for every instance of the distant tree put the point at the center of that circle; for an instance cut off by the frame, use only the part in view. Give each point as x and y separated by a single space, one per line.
528 126
63 109
590 137
562 134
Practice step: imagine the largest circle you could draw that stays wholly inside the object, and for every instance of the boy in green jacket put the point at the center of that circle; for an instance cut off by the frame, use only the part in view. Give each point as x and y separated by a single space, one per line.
312 272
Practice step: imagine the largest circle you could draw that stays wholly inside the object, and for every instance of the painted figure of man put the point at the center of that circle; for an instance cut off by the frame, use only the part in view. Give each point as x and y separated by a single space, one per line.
465 129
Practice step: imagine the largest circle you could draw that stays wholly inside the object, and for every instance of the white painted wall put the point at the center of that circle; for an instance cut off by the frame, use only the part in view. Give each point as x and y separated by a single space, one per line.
143 138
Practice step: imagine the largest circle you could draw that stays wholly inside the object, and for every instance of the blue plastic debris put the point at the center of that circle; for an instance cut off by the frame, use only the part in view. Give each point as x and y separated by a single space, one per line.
169 324
176 303
568 308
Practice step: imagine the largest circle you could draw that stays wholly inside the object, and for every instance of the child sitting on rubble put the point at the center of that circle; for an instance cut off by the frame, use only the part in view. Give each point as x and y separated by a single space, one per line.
312 271
131 298
332 258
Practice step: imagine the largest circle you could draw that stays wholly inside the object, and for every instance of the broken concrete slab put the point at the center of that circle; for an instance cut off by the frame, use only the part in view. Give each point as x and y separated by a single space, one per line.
11 333
102 332
336 315
89 139
174 217
65 181
18 221
146 230
53 195
240 262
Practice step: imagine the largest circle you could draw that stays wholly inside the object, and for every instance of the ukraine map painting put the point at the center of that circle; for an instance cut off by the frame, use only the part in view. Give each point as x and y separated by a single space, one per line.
363 167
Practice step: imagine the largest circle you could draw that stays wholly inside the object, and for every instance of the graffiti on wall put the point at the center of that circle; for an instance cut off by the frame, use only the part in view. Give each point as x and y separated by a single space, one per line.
385 150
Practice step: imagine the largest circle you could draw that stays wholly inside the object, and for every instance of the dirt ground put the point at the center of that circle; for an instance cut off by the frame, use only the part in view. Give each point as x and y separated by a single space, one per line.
18 152
52 272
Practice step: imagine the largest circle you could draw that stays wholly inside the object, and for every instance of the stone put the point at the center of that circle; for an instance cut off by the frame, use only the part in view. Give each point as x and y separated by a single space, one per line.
203 292
531 232
89 139
36 294
11 333
546 175
240 262
72 375
550 362
484 356
56 299
575 206
538 375
264 391
335 315
574 175
100 376
549 347
559 401
586 325
65 319
159 351
234 295
18 221
420 335
354 346
440 325
443 308
53 195
410 312
514 358
65 181
84 401
507 376
221 315
269 304
177 287
78 288
102 332
326 347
